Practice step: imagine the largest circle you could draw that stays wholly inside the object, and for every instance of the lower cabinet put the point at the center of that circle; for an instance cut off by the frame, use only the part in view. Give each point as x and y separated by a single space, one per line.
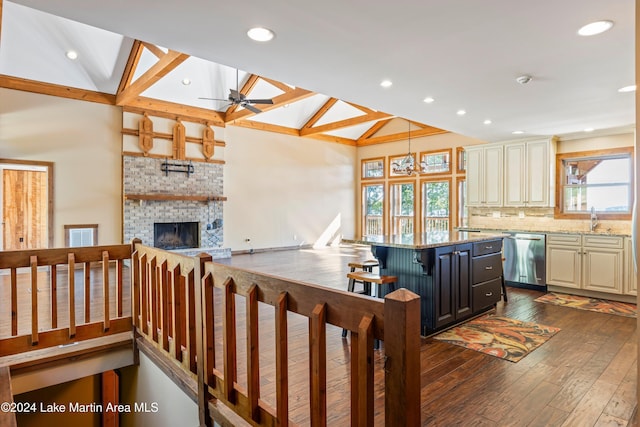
452 284
630 285
590 262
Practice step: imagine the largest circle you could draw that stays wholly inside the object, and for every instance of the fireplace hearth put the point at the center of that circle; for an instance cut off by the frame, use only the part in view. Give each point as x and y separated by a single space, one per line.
176 235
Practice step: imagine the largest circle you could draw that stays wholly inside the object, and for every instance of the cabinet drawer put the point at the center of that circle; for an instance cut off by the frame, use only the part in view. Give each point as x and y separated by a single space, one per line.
486 294
488 247
564 239
486 267
603 241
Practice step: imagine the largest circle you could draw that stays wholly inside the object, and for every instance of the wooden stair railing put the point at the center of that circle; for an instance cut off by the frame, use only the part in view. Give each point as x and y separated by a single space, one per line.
33 271
175 302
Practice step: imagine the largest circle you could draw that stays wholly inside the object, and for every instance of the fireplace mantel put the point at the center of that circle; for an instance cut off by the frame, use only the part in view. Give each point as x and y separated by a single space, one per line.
187 197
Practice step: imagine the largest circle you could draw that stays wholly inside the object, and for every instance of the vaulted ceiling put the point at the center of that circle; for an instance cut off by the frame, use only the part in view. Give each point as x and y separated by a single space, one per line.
324 67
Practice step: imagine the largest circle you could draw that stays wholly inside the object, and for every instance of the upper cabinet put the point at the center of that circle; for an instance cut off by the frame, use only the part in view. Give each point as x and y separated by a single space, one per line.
512 174
484 175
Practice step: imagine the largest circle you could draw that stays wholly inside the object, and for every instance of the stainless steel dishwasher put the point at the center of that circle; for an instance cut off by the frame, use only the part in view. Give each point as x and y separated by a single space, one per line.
525 262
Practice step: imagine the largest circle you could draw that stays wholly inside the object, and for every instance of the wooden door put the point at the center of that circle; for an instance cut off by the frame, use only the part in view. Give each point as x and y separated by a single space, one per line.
25 200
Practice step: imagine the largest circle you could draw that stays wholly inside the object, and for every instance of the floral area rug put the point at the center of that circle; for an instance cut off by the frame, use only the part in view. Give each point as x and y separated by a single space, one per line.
502 337
591 304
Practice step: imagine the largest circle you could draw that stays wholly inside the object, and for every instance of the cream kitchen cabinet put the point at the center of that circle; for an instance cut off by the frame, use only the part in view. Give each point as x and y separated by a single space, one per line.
630 278
591 262
484 175
528 173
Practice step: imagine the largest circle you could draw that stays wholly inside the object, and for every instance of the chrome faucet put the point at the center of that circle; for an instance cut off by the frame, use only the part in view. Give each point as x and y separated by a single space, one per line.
594 218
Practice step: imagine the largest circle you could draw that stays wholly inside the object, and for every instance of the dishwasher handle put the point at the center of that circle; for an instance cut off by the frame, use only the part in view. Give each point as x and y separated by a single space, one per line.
537 239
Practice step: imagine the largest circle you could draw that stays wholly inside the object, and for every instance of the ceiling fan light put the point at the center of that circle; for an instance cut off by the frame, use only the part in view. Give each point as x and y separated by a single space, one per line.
260 34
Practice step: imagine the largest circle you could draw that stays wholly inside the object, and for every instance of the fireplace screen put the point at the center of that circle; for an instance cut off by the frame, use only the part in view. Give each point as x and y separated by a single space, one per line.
175 235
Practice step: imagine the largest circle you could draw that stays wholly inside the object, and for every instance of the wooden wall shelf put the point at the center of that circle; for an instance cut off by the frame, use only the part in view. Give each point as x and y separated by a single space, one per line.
186 197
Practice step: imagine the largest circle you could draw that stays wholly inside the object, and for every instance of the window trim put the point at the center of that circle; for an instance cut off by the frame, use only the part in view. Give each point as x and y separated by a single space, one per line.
609 153
373 159
460 151
431 152
458 180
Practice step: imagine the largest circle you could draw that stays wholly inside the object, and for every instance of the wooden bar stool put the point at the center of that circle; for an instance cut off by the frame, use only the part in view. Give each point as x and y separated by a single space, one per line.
367 266
367 279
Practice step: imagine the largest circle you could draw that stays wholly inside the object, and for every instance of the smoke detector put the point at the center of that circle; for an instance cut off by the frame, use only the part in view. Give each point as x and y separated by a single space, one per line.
523 80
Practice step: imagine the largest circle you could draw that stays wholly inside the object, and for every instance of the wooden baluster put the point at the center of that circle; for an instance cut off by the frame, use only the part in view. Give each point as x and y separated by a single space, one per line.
282 366
105 289
135 292
253 356
163 272
72 294
362 384
229 341
209 332
53 276
179 313
87 292
199 306
153 301
318 365
402 349
14 302
119 279
191 322
144 309
33 260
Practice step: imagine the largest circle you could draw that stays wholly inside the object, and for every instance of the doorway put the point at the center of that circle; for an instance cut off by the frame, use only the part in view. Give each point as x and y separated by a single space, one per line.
27 192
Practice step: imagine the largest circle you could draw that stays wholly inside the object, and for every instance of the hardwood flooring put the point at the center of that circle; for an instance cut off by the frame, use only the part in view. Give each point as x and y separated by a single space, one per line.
583 376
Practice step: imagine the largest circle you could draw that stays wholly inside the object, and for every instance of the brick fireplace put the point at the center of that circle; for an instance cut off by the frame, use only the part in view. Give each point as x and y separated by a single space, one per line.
153 196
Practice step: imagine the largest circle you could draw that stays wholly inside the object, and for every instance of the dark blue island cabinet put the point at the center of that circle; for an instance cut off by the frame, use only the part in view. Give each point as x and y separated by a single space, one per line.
457 275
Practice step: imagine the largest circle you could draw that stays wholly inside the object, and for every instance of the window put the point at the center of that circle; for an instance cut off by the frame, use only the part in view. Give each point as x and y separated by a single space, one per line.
597 180
373 209
81 235
461 160
402 207
463 211
373 168
436 197
436 161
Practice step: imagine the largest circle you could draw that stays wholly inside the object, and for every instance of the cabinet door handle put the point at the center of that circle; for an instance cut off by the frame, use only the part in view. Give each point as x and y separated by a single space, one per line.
488 247
489 294
489 267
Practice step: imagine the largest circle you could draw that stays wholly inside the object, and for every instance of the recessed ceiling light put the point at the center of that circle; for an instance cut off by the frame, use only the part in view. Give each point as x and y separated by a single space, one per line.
594 28
71 54
429 100
461 112
627 88
260 34
487 122
517 132
386 83
186 81
588 130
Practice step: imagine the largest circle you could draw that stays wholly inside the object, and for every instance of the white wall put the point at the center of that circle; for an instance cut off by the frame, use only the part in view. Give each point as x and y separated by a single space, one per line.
286 191
83 141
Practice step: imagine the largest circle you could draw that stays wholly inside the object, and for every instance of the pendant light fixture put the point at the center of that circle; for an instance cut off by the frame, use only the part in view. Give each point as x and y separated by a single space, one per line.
407 165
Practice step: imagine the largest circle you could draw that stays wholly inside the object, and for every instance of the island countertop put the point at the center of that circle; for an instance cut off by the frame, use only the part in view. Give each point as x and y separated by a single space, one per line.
431 239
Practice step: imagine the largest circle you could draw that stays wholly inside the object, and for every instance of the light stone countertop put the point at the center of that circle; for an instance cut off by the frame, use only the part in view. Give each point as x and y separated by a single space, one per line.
432 239
588 233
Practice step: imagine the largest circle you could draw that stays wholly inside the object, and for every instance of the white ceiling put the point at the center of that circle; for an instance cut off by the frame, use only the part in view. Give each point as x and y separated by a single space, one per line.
465 54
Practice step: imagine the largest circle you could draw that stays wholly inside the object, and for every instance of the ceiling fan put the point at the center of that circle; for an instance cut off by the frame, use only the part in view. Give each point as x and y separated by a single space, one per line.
237 98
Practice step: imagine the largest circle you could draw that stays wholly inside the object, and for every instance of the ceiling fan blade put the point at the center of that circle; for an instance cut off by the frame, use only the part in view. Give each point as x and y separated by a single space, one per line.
214 99
251 108
260 101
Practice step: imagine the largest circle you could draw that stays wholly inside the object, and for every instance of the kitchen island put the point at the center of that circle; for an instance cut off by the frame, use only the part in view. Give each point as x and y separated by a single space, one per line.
457 274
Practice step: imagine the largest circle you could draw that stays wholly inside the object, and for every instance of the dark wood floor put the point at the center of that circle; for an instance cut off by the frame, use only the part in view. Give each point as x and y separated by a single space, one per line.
583 376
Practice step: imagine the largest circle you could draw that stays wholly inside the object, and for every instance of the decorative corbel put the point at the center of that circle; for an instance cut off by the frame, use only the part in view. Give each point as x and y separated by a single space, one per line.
179 140
145 134
208 142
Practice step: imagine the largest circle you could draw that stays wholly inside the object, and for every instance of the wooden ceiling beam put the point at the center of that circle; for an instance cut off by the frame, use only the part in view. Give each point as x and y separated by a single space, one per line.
332 138
286 98
132 64
33 86
321 112
282 86
344 123
160 69
268 127
427 131
154 49
172 110
374 129
1 19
